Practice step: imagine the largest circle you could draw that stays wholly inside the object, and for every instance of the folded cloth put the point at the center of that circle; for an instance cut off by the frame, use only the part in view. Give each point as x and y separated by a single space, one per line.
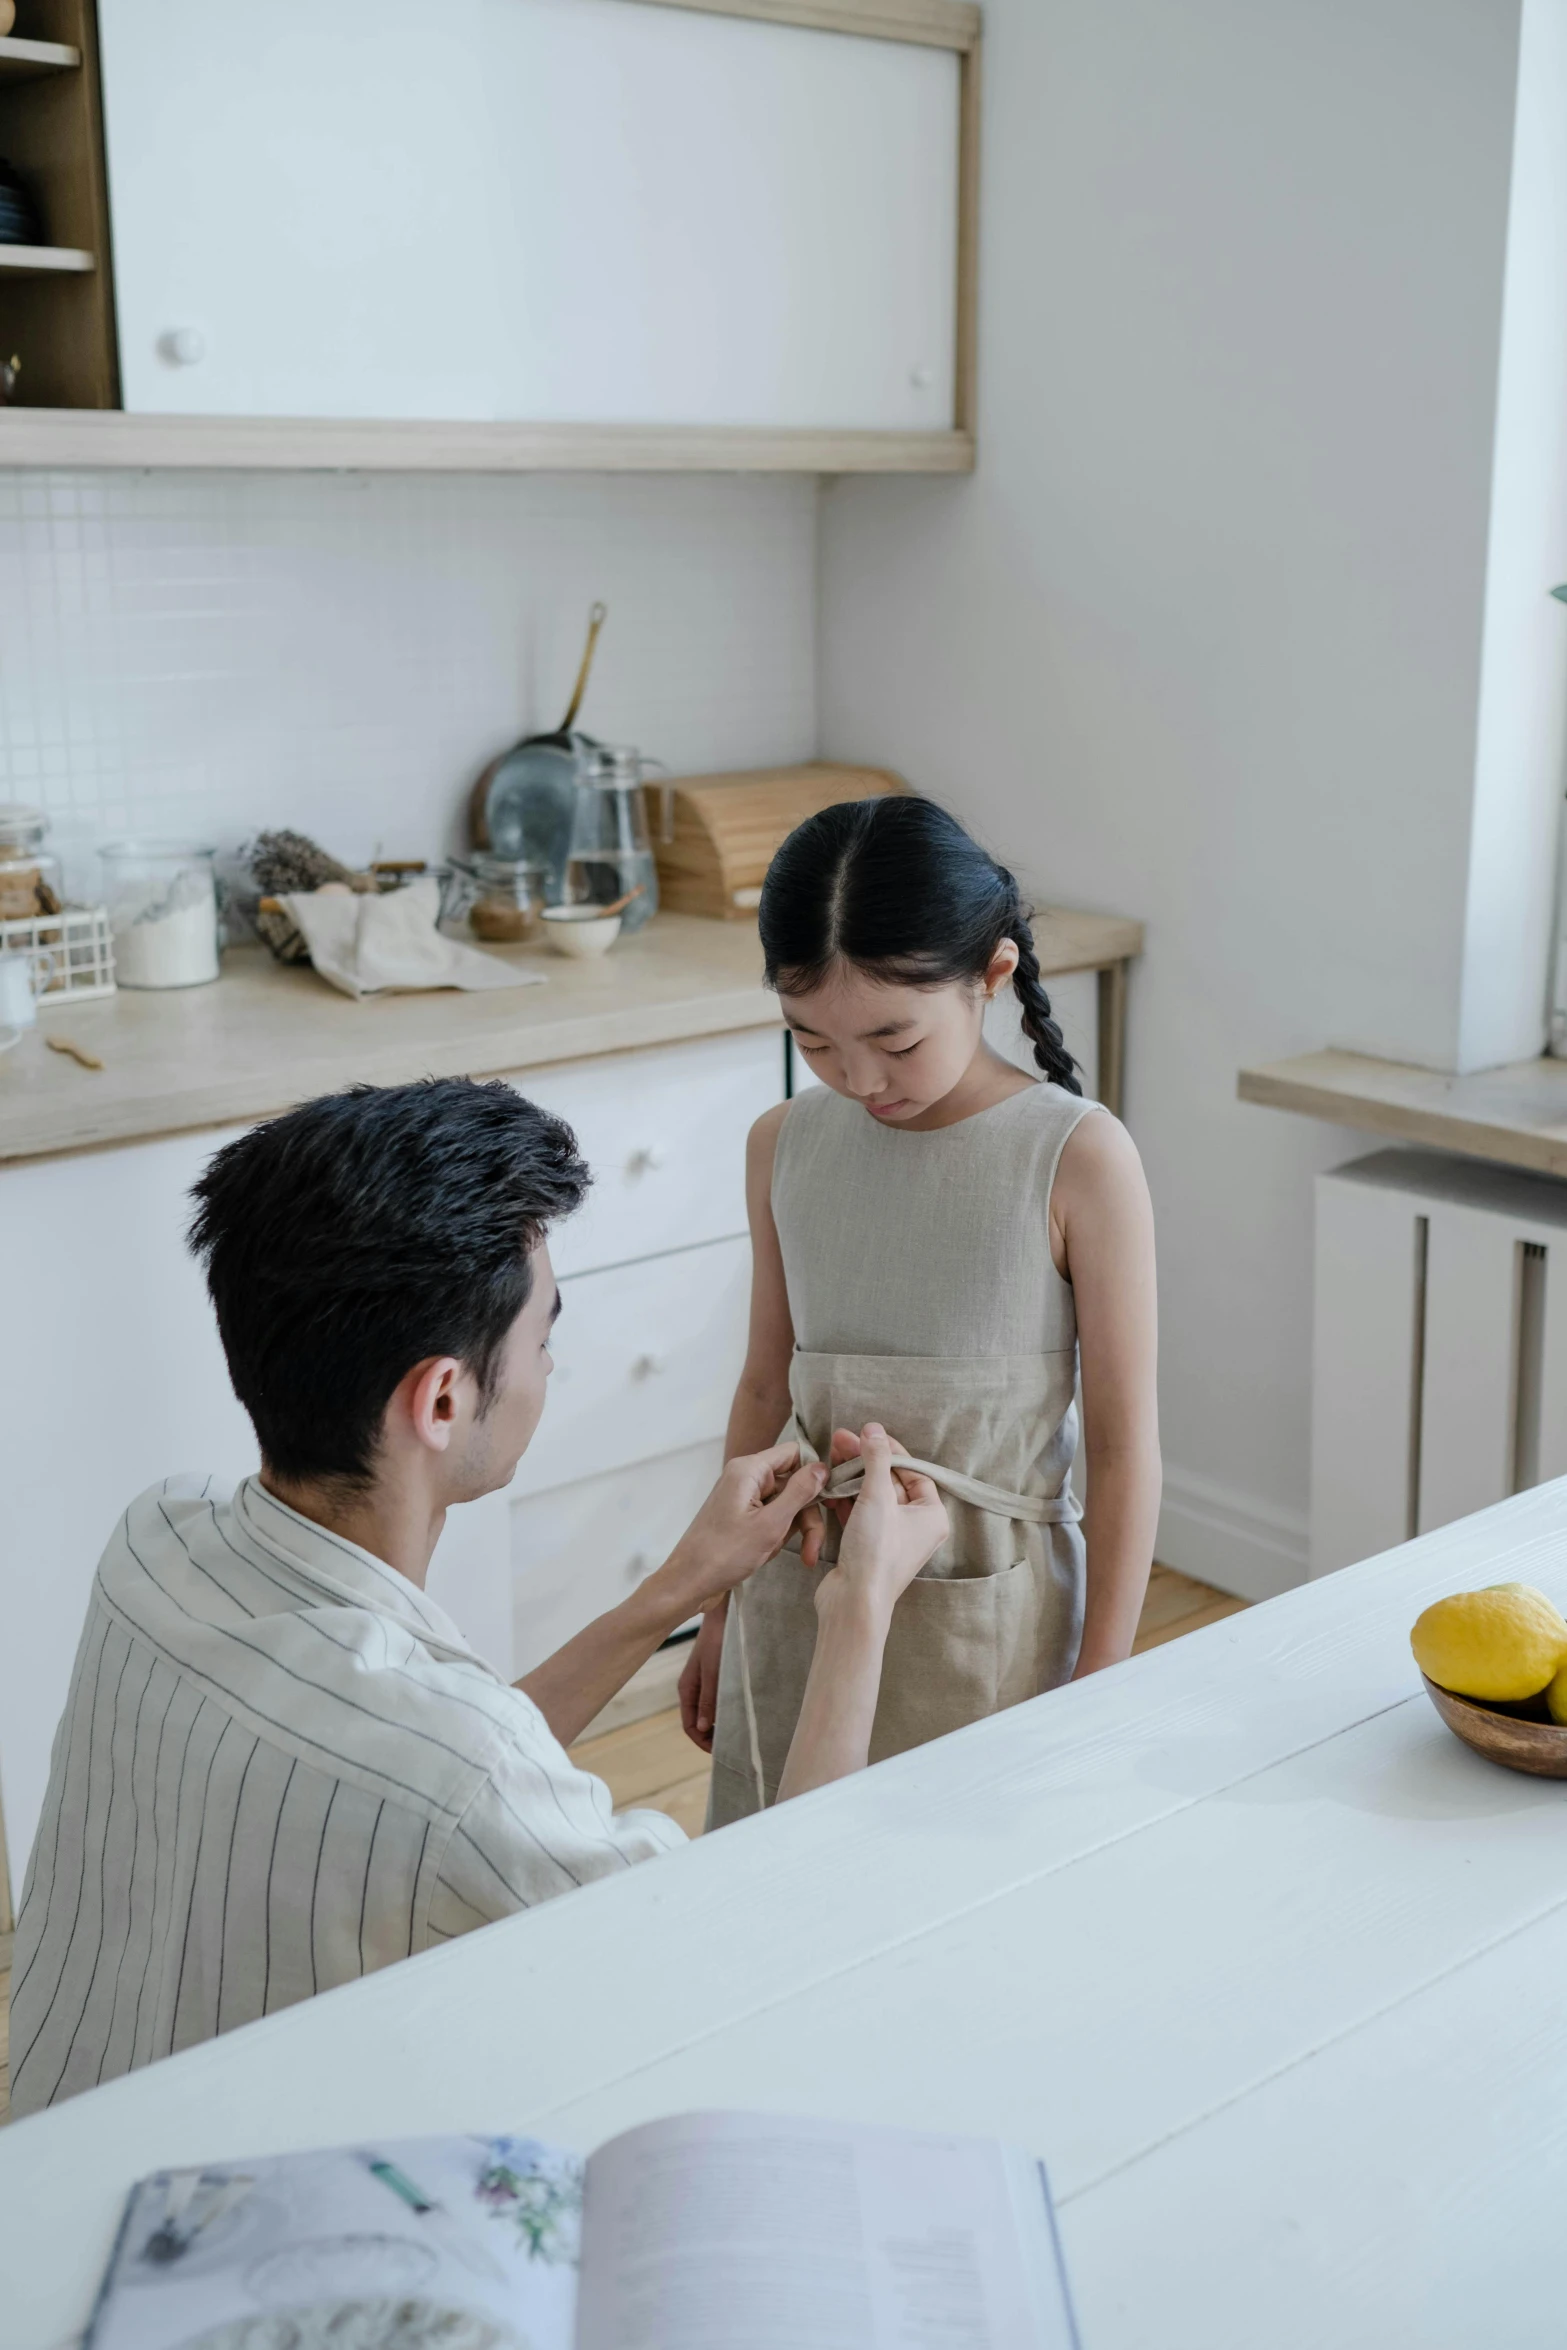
362 944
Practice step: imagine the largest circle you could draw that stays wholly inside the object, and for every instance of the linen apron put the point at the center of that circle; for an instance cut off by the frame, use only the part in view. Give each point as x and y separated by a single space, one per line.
923 1294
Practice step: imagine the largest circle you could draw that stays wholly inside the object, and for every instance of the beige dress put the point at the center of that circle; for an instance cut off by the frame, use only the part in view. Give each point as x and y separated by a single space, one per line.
923 1295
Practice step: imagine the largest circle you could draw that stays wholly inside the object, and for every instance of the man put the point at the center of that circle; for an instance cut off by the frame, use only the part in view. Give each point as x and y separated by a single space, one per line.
280 1764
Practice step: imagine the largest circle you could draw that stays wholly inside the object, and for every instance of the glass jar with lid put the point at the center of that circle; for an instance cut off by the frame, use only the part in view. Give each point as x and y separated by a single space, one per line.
163 910
30 878
501 897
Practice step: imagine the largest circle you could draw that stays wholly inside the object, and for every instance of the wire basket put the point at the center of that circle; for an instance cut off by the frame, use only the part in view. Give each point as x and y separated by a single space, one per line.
72 953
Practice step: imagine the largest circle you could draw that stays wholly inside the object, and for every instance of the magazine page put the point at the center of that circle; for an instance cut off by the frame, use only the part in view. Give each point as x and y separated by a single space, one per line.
408 2244
738 2232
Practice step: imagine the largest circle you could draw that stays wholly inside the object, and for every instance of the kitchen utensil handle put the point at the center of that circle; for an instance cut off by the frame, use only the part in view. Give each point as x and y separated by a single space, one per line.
596 618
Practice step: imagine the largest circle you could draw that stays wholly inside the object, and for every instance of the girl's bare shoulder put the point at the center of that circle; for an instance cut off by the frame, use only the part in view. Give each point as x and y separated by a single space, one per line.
762 1141
1099 1167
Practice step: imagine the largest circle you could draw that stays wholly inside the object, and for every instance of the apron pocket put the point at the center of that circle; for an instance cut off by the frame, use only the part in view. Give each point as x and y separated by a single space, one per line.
964 1647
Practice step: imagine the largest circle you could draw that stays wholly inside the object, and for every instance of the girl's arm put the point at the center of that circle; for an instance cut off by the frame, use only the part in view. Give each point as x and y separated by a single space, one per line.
762 1396
761 1405
1102 1240
897 1523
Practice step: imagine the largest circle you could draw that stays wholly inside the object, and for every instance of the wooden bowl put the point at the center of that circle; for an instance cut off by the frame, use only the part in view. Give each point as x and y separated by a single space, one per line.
1509 1737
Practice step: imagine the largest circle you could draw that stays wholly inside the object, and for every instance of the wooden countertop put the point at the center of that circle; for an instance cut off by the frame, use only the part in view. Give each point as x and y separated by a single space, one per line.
1516 1115
265 1035
1236 1935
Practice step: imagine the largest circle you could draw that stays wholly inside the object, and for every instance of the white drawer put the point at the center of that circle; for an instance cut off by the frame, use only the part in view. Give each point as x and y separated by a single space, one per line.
664 1133
646 1359
581 1549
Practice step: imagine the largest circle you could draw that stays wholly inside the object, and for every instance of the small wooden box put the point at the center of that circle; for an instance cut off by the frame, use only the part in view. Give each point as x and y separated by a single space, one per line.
715 835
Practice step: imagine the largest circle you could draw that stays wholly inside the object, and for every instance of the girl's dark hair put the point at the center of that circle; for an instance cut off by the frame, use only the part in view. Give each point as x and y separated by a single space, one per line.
896 887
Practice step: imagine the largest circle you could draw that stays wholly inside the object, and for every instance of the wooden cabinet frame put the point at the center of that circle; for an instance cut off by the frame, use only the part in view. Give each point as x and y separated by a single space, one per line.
77 437
57 305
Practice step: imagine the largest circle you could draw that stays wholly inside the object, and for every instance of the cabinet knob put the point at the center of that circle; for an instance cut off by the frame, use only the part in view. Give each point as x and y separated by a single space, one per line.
643 1161
182 346
920 376
636 1566
648 1366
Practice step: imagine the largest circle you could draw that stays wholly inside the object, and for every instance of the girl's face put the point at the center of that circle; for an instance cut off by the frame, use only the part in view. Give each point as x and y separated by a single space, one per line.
897 1050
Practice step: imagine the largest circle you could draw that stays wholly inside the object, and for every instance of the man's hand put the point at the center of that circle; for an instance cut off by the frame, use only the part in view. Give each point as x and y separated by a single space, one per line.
747 1516
744 1521
895 1524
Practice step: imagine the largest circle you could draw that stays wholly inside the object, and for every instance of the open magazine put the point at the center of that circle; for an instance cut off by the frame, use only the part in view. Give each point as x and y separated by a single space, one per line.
715 2231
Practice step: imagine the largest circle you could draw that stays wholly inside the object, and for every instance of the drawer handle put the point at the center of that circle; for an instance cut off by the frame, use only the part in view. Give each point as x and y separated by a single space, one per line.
649 1366
643 1162
182 346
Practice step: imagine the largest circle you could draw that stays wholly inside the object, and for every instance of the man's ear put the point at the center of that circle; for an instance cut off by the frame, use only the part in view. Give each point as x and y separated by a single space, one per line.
428 1394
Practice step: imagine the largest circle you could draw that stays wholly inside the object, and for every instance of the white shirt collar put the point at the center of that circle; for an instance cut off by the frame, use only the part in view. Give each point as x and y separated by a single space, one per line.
344 1573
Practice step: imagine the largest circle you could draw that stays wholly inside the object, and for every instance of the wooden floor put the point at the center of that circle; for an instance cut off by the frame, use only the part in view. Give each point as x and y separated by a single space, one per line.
651 1762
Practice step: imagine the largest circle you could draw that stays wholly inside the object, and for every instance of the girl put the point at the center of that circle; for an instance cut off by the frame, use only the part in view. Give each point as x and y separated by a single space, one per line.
937 1237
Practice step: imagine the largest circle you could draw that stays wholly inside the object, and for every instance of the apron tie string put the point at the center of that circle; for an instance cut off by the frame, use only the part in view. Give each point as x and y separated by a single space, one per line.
1031 1509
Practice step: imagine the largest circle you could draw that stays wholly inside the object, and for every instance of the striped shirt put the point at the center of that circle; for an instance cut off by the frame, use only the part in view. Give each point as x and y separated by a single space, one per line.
280 1766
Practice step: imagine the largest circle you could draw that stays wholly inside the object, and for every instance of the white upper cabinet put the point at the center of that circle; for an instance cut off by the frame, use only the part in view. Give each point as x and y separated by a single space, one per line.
576 211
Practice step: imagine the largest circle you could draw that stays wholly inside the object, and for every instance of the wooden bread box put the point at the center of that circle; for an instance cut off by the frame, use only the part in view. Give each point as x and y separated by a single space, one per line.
715 835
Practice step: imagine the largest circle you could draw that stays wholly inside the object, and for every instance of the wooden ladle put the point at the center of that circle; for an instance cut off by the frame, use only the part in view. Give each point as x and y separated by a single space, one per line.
592 913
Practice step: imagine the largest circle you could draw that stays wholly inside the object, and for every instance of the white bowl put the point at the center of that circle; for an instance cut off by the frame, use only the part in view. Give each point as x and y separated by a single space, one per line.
580 931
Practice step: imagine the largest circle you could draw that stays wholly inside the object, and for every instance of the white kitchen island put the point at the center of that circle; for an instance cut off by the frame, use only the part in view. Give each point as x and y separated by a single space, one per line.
1263 1961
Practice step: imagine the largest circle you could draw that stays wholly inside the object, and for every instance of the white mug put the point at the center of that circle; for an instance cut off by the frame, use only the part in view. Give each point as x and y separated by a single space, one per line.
17 1008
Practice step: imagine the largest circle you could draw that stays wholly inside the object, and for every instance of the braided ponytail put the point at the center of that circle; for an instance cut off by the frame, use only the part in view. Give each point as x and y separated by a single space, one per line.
1040 1024
896 887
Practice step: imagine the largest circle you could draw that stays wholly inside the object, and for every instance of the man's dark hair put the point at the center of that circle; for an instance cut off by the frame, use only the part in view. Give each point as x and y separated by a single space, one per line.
363 1233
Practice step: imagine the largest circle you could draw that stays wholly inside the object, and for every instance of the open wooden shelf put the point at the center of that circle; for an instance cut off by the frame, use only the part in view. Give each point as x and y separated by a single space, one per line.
56 298
23 61
1515 1115
45 261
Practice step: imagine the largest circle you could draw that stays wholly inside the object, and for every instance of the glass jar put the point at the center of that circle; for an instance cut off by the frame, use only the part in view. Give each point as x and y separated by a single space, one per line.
611 850
30 878
163 911
502 897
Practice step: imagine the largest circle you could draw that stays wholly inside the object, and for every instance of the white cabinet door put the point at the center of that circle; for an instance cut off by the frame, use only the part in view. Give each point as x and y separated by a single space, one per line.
581 1549
121 1381
664 1133
557 210
303 193
646 1359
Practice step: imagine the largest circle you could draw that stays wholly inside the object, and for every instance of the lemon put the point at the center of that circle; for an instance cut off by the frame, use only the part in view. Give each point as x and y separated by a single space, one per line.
1505 1642
1556 1695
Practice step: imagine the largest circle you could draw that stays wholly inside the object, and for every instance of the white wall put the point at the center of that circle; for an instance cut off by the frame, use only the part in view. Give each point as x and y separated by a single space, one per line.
1523 687
208 654
1202 639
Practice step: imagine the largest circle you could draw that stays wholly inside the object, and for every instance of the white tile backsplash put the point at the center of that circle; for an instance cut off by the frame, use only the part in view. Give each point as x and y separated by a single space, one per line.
208 653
